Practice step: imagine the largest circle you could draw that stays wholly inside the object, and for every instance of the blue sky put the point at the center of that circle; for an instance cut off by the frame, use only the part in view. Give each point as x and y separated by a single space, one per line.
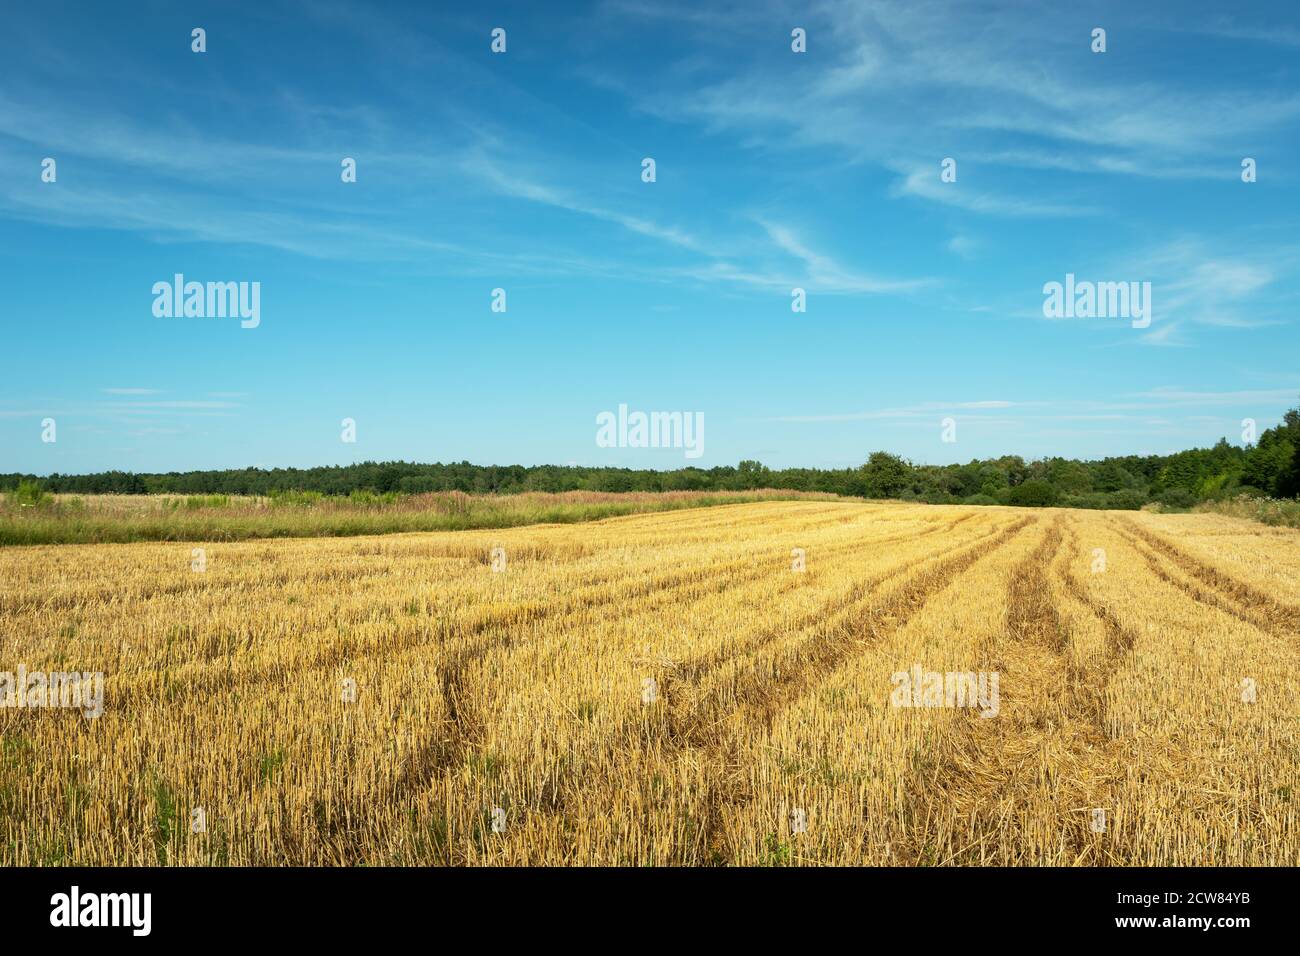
522 171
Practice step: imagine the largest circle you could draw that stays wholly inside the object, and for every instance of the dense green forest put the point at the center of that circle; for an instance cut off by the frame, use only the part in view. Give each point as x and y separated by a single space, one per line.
1271 467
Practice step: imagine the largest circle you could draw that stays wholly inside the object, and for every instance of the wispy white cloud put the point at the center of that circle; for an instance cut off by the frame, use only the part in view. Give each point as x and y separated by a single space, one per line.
925 183
1165 334
1224 282
824 274
523 188
1173 395
1135 407
967 247
924 410
819 272
1014 75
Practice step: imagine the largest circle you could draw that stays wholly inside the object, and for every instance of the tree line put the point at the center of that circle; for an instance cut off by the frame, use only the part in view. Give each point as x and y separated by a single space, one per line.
1270 467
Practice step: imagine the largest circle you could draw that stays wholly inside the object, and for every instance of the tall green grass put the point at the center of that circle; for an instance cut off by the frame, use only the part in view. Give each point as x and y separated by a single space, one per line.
122 519
1274 511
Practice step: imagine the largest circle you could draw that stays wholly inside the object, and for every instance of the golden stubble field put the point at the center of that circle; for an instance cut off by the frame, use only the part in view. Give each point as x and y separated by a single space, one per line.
667 689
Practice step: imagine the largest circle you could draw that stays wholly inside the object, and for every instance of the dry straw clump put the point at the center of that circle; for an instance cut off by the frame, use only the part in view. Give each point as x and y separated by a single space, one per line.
669 689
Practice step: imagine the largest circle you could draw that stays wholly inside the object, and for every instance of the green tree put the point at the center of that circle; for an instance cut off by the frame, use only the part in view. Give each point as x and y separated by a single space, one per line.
1269 464
1110 476
1069 477
885 475
1034 493
752 474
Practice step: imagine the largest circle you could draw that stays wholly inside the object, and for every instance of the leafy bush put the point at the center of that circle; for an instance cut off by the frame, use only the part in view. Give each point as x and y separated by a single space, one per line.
1095 501
28 494
1175 499
980 499
1127 500
1034 493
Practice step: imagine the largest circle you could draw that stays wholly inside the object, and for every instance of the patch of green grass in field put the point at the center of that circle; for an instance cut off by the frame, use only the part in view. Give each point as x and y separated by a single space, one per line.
1271 511
121 519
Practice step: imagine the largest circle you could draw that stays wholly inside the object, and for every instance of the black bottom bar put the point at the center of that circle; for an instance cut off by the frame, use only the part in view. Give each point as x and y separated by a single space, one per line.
947 907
